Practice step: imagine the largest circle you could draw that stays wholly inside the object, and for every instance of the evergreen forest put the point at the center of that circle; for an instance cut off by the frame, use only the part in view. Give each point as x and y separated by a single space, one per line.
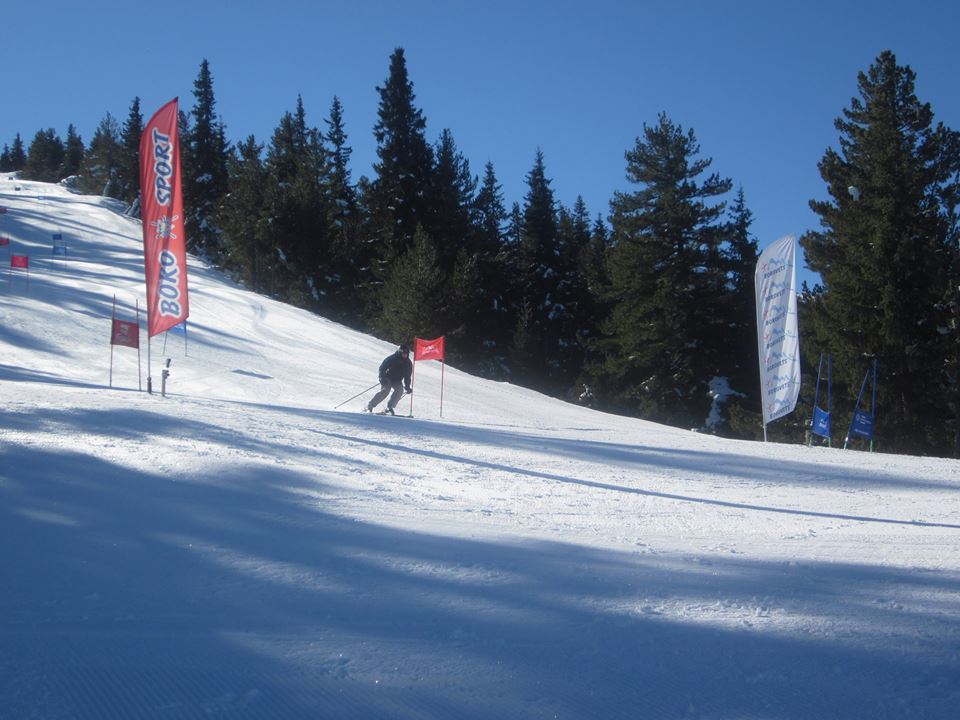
645 308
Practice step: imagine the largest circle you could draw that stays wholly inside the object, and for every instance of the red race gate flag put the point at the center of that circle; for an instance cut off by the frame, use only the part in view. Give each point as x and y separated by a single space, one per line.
164 242
428 349
4 241
126 333
20 261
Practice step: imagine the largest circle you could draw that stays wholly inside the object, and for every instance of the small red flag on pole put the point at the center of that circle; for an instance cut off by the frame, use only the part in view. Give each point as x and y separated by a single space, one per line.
20 262
430 350
127 334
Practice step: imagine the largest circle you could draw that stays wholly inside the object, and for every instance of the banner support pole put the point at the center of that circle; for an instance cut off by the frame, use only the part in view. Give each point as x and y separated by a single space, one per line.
139 369
149 365
816 399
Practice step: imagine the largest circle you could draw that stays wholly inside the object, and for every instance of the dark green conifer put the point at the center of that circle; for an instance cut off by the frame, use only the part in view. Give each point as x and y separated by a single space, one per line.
241 215
886 253
129 171
45 157
73 153
102 160
399 201
668 286
204 167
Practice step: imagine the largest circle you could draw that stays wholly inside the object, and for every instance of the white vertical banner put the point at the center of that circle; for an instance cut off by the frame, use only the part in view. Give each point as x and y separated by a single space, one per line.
777 336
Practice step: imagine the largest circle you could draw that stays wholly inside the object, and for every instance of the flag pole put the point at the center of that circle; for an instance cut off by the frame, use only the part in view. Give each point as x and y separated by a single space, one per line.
413 376
113 319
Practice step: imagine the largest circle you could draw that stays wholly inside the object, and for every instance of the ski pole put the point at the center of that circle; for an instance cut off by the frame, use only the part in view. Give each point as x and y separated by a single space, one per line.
357 395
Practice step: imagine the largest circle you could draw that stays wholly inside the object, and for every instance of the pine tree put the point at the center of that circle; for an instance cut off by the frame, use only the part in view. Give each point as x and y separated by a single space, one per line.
593 267
45 157
412 292
886 257
668 294
544 332
204 166
452 196
399 202
129 171
241 215
296 208
578 322
347 253
490 214
740 261
102 160
18 157
73 153
492 328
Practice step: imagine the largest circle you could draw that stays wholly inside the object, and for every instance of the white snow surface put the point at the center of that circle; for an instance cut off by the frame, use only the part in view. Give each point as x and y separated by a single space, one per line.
241 549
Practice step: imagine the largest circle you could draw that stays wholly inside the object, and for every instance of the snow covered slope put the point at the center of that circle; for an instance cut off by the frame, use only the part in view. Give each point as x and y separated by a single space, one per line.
241 549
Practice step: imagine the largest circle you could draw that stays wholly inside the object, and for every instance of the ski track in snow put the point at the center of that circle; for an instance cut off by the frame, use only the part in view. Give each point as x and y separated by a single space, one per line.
241 549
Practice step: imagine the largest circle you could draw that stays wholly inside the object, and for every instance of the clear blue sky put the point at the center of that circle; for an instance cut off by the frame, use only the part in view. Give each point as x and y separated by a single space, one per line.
759 82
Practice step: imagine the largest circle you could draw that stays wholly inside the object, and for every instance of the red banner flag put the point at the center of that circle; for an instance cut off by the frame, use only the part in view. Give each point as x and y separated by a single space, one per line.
161 202
428 349
20 261
4 241
126 333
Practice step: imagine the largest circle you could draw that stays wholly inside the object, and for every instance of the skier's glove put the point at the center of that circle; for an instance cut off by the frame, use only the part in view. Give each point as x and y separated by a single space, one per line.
409 391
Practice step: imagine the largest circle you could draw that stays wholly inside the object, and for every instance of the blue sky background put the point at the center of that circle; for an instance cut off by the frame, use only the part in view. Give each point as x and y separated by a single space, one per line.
760 83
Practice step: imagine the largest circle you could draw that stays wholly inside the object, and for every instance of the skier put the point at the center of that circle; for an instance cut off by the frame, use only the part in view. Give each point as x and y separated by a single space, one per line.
395 372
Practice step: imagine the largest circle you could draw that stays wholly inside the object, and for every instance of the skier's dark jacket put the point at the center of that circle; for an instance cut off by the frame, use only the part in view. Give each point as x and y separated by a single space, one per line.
396 367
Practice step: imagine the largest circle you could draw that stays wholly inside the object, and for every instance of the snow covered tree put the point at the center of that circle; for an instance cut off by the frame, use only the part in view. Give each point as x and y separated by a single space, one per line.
669 299
887 256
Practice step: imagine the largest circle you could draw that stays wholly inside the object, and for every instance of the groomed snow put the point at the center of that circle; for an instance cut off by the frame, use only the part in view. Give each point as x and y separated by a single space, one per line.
241 549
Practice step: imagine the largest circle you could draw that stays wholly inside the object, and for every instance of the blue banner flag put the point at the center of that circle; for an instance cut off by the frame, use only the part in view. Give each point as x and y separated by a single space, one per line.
821 422
862 424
